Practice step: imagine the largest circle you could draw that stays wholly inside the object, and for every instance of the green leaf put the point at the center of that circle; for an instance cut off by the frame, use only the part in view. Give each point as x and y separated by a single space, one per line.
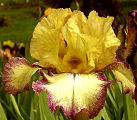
45 113
106 115
8 108
16 107
35 111
2 113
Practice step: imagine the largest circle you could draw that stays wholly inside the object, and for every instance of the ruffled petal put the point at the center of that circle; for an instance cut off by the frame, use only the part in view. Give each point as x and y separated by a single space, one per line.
55 20
98 39
98 26
45 48
105 40
45 44
124 74
58 17
75 59
77 23
74 32
75 93
93 39
108 53
17 75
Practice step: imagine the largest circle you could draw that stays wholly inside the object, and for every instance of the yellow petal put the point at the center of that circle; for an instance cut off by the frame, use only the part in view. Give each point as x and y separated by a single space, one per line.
76 45
75 59
56 19
76 23
8 43
44 45
108 53
98 26
105 40
45 48
75 93
91 42
96 35
17 75
60 16
124 75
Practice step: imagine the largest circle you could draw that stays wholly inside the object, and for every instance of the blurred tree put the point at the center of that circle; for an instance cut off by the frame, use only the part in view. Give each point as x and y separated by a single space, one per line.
60 3
103 7
3 21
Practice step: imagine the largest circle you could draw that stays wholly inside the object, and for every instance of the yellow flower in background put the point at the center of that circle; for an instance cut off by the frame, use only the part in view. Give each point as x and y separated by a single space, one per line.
8 43
76 50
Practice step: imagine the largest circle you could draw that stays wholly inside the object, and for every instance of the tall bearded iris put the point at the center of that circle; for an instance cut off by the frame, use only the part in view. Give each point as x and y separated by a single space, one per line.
75 50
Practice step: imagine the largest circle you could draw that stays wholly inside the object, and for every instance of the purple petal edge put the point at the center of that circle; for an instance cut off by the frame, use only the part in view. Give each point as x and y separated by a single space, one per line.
53 106
8 70
38 86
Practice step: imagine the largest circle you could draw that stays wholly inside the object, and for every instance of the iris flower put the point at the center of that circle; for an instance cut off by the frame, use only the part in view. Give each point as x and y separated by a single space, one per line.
76 51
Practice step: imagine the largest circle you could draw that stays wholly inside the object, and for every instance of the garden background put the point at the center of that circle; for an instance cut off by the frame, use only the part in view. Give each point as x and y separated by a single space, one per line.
21 19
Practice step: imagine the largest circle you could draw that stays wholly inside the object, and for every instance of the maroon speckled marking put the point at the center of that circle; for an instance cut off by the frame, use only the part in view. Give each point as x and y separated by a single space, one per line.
114 65
38 86
126 90
101 76
50 69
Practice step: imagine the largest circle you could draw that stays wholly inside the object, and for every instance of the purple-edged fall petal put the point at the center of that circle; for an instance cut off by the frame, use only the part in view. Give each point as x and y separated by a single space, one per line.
124 74
74 93
17 75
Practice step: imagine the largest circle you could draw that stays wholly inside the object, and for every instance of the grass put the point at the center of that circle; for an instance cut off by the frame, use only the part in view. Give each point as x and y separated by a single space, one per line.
20 24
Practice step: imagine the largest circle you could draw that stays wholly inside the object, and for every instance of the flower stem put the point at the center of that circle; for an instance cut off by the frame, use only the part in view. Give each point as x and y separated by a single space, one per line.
126 108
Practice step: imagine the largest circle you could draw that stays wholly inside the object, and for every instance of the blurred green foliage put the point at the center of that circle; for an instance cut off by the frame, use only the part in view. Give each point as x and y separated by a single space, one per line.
12 2
20 24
